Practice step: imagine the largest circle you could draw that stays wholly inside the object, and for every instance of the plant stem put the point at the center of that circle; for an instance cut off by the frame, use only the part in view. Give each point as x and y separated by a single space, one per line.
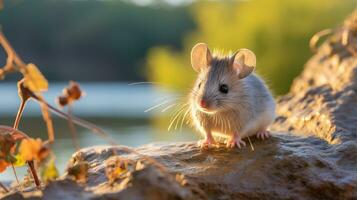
19 114
48 120
13 60
13 169
29 163
72 128
4 188
16 125
9 51
76 120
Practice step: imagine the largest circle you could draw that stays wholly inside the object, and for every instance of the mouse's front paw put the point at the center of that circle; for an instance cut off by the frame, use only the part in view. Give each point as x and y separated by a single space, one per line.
206 143
235 141
263 134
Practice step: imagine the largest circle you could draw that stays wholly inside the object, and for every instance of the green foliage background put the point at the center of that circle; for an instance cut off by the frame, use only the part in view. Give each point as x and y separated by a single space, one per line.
78 40
278 31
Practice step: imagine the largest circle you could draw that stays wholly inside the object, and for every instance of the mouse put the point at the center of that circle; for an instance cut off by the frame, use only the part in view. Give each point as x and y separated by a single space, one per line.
228 99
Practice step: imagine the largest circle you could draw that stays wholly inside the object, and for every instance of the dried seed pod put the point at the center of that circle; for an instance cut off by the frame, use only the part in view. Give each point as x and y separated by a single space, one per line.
73 91
62 101
70 94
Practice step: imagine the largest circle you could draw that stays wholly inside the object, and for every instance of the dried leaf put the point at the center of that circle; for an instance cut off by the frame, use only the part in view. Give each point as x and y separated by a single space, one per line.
3 165
15 134
8 137
115 168
30 148
79 171
6 146
34 80
49 172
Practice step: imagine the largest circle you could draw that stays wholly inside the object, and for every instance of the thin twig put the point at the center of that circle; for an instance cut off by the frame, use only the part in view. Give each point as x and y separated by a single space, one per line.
316 37
49 124
76 120
72 128
4 188
13 169
251 145
8 49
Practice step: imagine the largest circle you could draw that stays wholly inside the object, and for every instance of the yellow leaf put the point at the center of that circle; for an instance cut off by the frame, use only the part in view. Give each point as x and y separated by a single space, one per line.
30 148
49 172
19 161
34 80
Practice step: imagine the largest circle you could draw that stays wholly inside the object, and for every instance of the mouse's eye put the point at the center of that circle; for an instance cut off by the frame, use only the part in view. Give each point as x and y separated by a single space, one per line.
223 88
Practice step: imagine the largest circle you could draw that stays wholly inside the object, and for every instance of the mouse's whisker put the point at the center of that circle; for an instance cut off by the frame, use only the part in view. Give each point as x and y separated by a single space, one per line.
178 118
155 84
158 105
175 116
219 122
215 120
184 117
167 98
169 106
144 82
178 107
182 113
229 124
224 125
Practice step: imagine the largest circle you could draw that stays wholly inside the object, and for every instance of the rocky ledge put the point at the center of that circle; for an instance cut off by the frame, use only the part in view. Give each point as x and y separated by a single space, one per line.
312 154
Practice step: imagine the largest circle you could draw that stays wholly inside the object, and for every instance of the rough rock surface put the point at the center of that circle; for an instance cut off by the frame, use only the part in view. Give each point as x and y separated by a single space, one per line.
323 99
313 154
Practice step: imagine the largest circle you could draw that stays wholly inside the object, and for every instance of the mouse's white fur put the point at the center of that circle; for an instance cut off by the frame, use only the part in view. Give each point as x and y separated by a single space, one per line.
247 109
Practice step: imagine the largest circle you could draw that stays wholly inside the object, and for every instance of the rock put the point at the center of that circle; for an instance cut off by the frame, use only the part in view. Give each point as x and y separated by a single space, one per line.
323 99
312 154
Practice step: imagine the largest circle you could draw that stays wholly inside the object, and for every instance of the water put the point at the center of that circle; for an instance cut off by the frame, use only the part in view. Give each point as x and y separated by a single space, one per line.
118 108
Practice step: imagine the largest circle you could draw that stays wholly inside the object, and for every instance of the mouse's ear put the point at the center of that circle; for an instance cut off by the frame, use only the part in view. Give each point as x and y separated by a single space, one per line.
200 56
244 62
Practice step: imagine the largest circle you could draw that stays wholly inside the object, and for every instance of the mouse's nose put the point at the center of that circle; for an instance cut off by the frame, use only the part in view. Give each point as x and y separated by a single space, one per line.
203 103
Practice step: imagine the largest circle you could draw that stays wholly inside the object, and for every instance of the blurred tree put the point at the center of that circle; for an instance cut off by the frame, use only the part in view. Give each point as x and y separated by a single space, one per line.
92 40
278 31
